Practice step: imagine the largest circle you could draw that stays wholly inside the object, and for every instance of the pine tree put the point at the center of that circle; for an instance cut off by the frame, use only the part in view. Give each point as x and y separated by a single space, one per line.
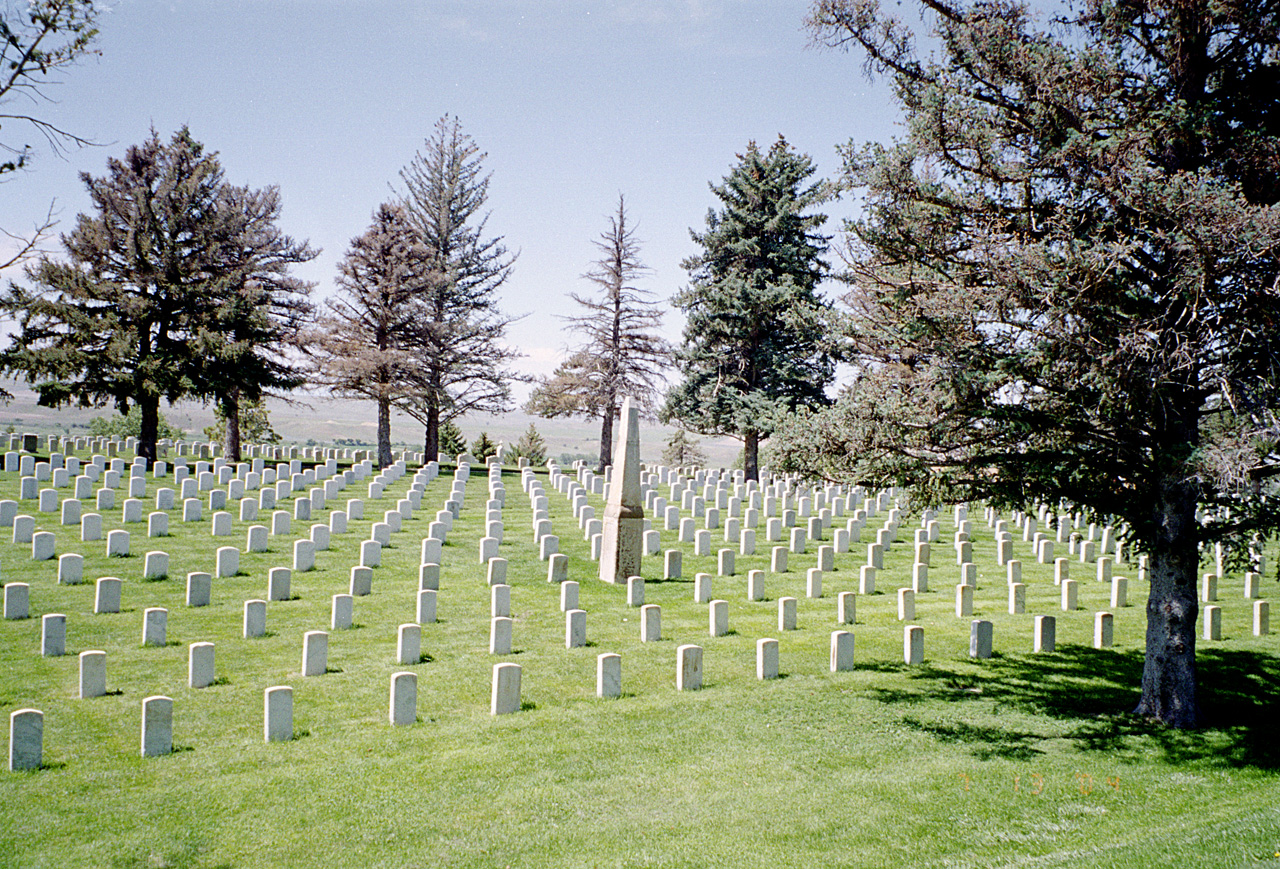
482 447
683 451
134 313
459 348
365 344
247 343
755 340
452 442
1065 280
622 356
532 446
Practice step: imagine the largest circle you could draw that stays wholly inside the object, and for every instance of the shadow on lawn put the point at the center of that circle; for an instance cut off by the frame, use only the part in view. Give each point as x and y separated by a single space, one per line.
1239 694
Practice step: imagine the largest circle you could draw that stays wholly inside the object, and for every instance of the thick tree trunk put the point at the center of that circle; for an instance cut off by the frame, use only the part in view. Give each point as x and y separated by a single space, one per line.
431 437
751 454
606 439
149 408
384 432
231 437
1169 669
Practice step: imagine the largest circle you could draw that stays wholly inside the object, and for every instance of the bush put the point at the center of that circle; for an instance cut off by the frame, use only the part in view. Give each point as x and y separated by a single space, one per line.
130 426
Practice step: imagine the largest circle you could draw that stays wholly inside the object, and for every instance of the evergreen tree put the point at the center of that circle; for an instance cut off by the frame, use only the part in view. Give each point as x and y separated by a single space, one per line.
364 345
622 356
132 316
459 346
261 315
254 424
531 446
755 340
683 451
482 447
451 441
1065 280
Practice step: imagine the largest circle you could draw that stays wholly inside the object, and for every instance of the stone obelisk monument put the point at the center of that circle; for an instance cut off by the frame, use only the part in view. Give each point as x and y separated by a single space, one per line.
620 548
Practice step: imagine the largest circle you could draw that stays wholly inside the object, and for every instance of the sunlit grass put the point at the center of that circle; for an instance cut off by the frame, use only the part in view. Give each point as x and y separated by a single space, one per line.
1020 759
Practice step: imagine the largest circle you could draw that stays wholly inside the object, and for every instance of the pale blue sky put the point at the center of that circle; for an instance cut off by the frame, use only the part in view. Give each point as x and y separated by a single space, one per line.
573 101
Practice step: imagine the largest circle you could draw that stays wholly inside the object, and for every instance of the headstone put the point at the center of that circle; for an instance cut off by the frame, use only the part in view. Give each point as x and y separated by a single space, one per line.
688 668
26 739
786 613
403 708
568 596
426 610
846 608
635 591
157 726
44 545
980 638
227 561
1044 634
813 583
608 675
277 714
496 574
755 585
304 556
93 674
278 582
505 698
1213 623
340 613
409 644
718 618
766 659
1261 618
53 635
106 597
1070 595
361 583
155 622
315 653
70 568
913 644
255 618
500 636
575 629
701 588
201 671
1103 630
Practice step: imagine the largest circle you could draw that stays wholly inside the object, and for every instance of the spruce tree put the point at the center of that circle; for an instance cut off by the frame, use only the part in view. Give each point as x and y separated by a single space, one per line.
622 355
1065 280
141 309
459 347
755 340
364 344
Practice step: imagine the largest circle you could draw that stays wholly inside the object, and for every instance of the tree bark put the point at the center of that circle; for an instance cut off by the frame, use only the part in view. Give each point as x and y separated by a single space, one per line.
606 439
384 432
231 436
149 408
751 454
1169 668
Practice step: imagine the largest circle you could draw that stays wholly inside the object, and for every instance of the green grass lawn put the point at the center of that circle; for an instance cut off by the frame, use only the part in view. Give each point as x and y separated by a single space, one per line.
1022 759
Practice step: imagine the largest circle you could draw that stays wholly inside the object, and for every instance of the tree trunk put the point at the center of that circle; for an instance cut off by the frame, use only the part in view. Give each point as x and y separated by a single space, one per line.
751 454
606 439
384 432
149 408
1169 669
431 439
231 436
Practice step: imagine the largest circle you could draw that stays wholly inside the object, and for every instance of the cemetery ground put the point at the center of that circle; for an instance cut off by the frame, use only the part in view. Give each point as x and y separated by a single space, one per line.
1023 758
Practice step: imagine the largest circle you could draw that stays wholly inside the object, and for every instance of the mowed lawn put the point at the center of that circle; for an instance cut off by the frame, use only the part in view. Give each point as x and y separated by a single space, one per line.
1019 760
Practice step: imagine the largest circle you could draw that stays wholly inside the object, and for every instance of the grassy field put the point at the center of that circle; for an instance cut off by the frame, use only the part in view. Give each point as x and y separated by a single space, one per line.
1020 760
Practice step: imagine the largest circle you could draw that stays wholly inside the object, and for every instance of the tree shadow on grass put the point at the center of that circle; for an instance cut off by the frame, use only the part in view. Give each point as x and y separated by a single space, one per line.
1239 693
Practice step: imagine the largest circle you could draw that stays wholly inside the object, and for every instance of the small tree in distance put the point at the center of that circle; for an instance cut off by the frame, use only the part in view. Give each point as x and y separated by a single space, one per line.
622 355
531 446
482 447
683 451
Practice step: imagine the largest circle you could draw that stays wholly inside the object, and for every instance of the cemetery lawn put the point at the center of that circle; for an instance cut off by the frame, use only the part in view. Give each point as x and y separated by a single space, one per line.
1019 760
